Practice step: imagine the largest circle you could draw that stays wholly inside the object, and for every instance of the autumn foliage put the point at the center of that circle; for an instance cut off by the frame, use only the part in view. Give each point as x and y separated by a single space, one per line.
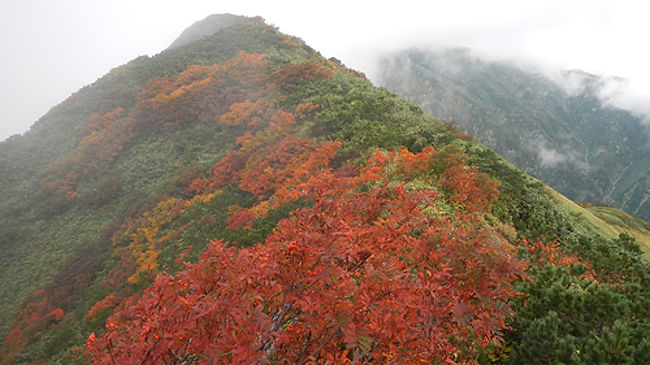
543 252
359 276
261 209
103 138
302 71
47 307
245 111
233 93
331 283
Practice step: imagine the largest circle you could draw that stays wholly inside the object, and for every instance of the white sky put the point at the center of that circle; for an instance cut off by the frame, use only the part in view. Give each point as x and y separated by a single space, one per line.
51 48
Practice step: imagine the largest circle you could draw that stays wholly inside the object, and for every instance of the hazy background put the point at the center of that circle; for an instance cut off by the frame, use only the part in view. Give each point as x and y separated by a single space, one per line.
50 49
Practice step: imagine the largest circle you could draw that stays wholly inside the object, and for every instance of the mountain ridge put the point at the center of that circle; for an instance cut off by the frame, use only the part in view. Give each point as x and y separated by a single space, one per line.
210 25
249 136
587 150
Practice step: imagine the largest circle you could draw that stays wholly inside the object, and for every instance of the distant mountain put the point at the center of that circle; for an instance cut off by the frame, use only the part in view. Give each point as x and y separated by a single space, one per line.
239 199
565 136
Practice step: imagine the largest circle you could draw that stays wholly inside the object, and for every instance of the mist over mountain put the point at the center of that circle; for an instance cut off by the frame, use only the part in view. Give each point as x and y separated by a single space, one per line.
561 129
238 198
209 26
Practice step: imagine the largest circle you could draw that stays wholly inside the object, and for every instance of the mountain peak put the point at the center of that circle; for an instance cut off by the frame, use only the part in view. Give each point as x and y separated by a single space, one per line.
241 199
210 25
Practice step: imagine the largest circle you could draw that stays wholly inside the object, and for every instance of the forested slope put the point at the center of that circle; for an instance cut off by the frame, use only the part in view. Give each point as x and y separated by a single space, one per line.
239 198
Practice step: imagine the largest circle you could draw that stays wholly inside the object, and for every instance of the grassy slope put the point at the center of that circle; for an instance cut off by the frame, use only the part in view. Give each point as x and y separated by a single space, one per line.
625 223
606 221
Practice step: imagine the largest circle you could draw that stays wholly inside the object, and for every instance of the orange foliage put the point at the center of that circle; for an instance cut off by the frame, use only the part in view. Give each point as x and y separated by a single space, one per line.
247 70
226 171
304 110
330 285
103 137
301 169
250 142
543 252
302 71
143 242
155 86
267 169
288 40
198 185
65 186
37 315
57 314
46 307
281 121
241 218
110 301
475 190
246 111
331 281
244 77
172 102
99 122
412 164
195 73
234 92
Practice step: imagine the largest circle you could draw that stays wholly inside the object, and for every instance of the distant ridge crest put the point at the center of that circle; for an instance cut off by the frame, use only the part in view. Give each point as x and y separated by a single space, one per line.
210 25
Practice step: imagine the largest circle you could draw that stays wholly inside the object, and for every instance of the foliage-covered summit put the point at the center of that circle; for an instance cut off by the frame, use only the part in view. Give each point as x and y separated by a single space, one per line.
209 26
240 199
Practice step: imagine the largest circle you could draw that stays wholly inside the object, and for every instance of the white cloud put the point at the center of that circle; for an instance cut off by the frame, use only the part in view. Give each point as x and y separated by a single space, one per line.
550 157
52 48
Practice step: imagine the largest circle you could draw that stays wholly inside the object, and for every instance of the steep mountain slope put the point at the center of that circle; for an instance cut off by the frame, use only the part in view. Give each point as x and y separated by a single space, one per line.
238 198
569 139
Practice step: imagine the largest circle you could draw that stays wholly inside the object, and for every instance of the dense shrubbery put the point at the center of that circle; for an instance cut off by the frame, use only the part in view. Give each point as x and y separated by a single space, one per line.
368 276
585 311
405 226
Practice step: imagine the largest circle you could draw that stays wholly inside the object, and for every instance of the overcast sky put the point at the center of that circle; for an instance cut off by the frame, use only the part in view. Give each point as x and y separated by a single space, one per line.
51 48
